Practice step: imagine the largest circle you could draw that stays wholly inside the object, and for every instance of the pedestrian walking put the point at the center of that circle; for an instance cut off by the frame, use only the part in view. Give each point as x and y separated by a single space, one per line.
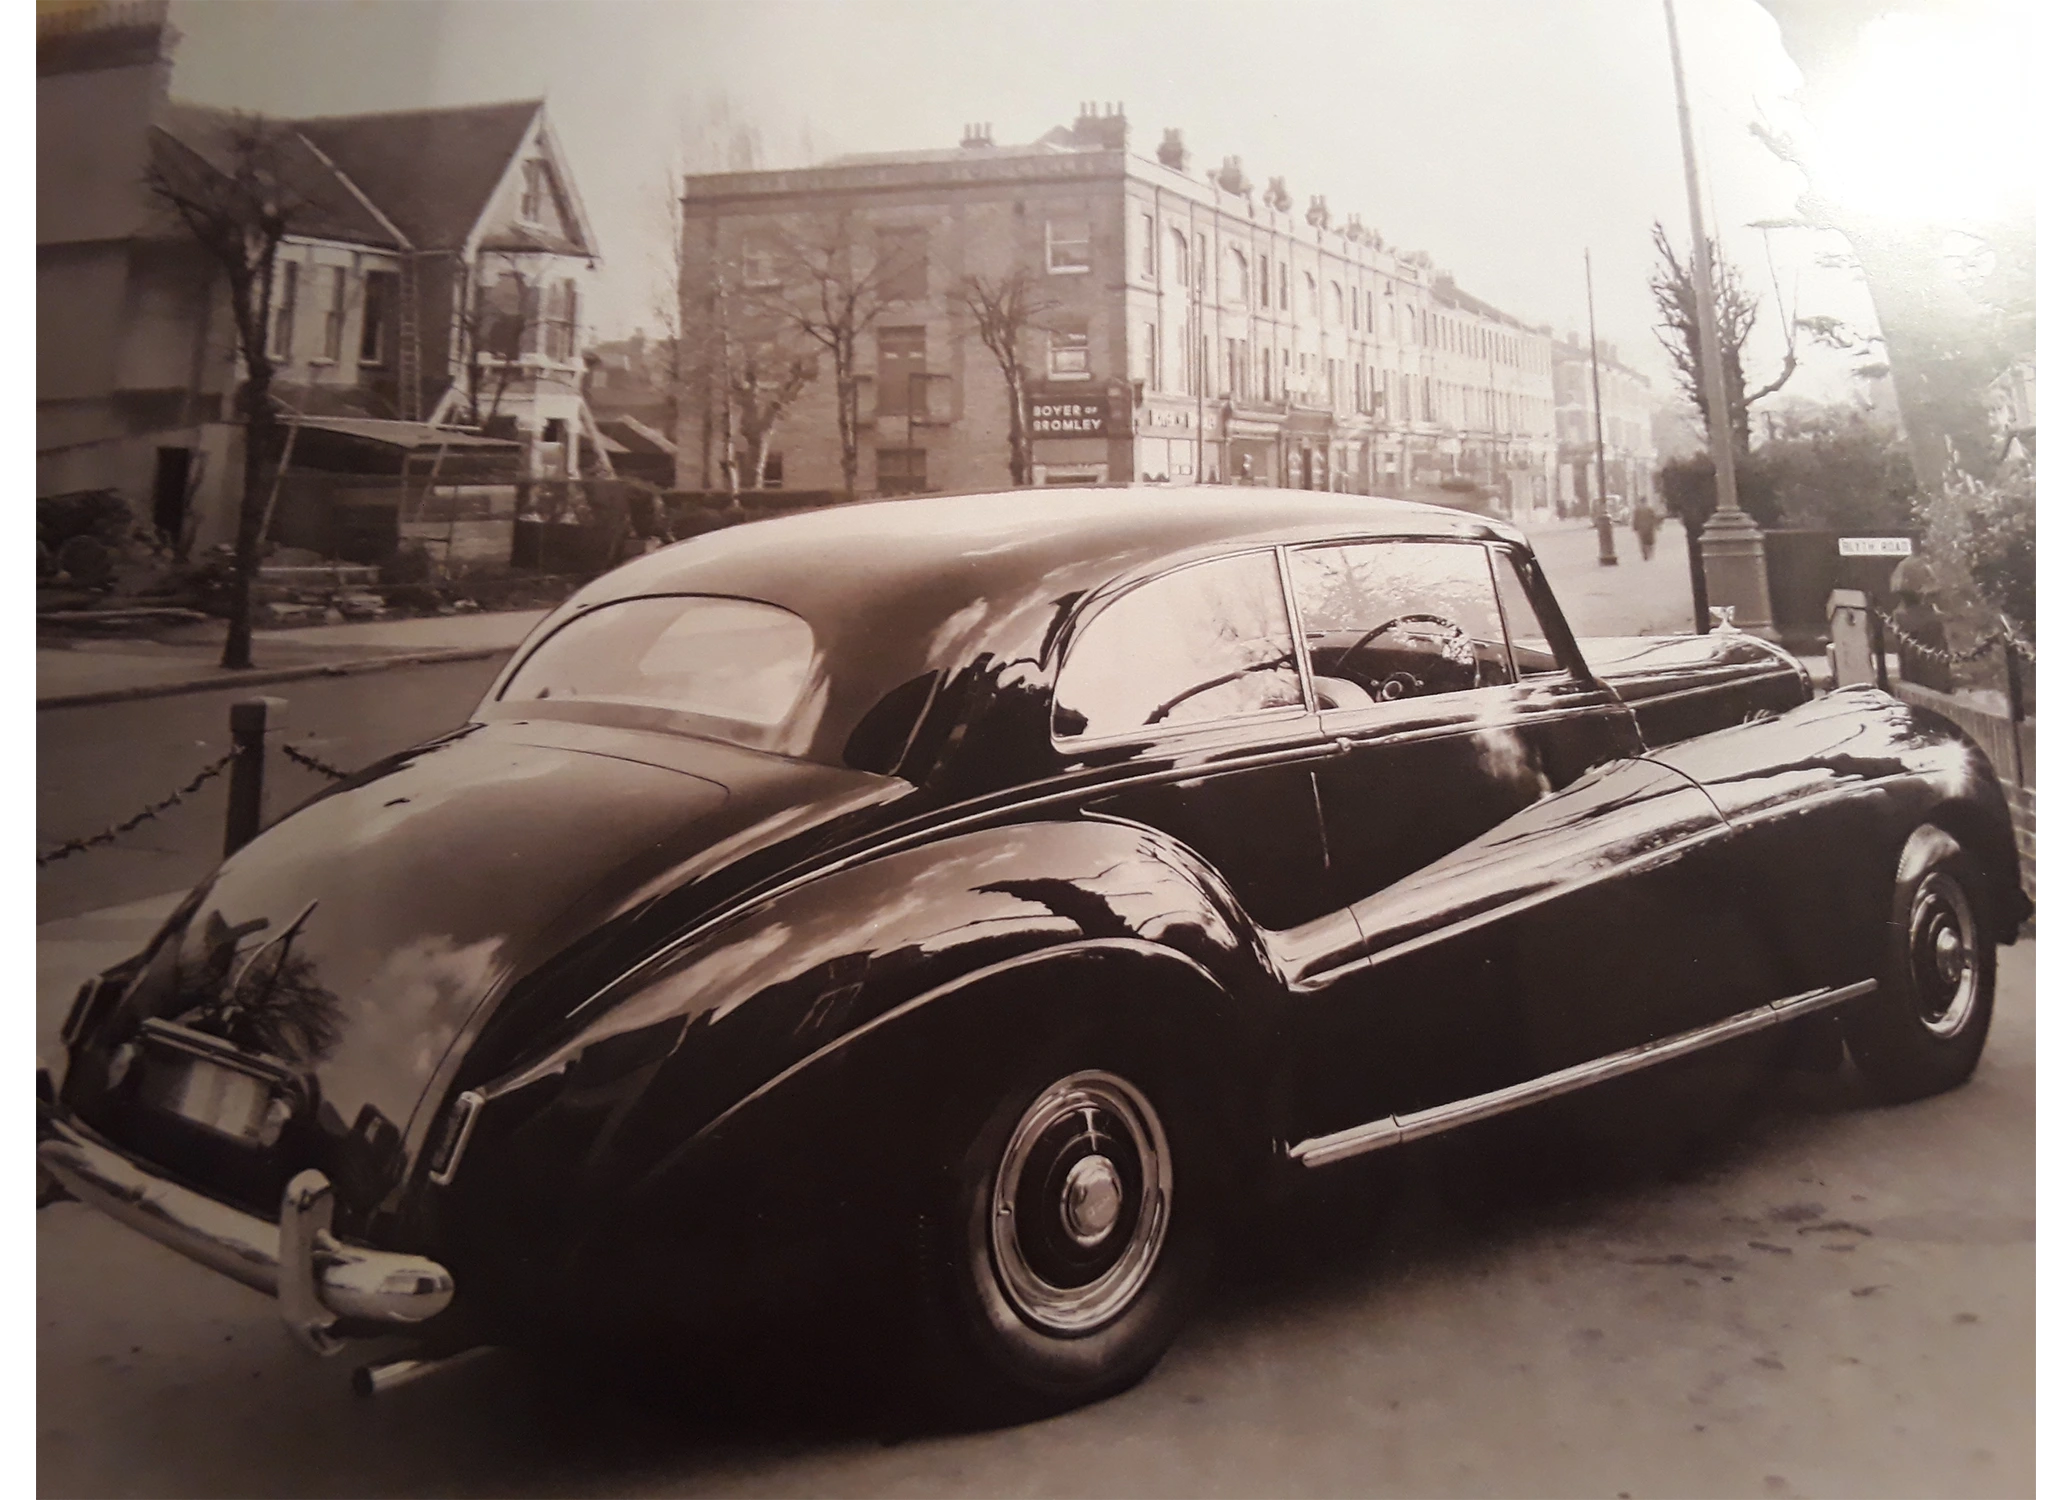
1644 520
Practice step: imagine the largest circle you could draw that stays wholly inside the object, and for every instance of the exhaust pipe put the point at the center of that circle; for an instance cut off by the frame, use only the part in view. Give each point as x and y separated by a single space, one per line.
388 1374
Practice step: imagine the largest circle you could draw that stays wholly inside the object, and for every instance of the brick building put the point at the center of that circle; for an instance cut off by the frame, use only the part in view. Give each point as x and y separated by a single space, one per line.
1629 427
1198 330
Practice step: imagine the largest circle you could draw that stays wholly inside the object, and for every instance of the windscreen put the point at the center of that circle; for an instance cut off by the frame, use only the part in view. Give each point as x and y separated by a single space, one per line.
727 659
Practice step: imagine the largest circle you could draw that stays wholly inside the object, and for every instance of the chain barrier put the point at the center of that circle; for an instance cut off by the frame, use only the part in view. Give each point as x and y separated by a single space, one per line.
312 763
111 834
1993 640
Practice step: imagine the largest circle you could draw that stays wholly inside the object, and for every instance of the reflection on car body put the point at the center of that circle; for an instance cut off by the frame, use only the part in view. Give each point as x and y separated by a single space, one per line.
991 915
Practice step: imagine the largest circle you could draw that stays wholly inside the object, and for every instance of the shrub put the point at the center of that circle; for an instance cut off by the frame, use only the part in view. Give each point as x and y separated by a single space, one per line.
2000 545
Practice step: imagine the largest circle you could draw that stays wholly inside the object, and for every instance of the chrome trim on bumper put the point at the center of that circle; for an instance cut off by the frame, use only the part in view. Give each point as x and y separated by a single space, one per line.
1395 1130
327 1279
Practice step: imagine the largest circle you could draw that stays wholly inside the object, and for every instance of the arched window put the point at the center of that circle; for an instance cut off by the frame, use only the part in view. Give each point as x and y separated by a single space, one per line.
1337 303
1309 284
1236 287
1179 257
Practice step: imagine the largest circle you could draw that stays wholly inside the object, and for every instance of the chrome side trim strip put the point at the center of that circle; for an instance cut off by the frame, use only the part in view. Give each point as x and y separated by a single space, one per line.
1395 1130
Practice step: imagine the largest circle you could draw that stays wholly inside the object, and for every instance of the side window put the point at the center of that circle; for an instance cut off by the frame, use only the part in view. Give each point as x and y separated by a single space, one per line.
1207 642
1530 648
1399 619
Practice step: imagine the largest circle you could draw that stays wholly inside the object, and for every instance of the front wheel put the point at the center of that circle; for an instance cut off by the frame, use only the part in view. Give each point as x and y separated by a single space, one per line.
1070 1241
1924 1028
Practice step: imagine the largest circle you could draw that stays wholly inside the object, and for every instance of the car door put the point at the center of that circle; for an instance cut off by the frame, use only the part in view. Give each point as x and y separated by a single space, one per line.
1196 669
1462 705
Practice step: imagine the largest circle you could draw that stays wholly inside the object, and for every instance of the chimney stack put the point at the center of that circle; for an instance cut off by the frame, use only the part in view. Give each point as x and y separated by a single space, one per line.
1172 152
977 136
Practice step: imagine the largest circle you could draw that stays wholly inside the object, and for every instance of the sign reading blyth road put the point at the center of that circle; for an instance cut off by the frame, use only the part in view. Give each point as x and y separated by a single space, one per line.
1876 546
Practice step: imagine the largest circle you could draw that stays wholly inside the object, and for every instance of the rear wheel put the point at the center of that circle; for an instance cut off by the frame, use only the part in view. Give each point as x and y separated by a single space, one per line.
1924 1028
1072 1239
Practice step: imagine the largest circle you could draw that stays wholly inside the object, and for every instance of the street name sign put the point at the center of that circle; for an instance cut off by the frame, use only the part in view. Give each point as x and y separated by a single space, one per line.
1877 546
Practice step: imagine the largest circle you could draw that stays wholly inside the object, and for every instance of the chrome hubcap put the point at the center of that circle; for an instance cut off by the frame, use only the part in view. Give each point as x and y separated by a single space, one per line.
1080 1203
1093 1199
1942 947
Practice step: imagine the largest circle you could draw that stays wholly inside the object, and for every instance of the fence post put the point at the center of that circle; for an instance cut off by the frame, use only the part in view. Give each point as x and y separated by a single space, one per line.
2017 709
250 719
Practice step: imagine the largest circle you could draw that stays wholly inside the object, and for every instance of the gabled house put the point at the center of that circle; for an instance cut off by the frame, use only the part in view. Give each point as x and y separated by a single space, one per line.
437 275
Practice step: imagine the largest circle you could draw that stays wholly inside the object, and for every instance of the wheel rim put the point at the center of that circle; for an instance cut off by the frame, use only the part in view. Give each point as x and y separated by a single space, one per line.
1942 954
1081 1200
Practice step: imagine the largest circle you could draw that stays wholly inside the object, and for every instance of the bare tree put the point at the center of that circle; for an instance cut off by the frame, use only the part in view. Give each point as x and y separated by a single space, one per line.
825 286
239 205
766 377
1736 310
1004 310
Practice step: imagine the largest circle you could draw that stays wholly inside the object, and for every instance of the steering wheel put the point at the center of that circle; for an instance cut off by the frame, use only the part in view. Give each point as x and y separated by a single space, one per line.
1454 633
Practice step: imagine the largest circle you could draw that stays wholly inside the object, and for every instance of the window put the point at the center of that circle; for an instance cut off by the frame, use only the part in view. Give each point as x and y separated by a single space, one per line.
1067 246
902 371
773 471
558 327
902 471
902 268
1337 303
731 660
1150 237
1068 350
758 262
1266 374
1388 620
1530 647
538 193
1179 257
1370 312
377 307
1150 369
1206 643
1265 284
334 312
1237 288
1201 263
281 343
1284 286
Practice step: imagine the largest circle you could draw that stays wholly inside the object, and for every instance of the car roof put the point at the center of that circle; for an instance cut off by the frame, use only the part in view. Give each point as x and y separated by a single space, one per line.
1007 537
895 588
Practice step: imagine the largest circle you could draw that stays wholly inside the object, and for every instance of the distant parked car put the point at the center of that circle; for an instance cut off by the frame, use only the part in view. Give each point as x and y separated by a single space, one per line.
981 901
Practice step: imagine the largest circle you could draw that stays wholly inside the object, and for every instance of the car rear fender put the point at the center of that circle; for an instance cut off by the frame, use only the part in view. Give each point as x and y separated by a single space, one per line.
817 1012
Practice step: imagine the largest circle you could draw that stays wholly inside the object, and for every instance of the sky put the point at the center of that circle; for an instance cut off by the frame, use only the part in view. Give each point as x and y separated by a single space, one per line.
1504 137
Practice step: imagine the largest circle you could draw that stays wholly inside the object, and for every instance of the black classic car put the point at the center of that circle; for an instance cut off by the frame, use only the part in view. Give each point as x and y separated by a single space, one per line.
982 900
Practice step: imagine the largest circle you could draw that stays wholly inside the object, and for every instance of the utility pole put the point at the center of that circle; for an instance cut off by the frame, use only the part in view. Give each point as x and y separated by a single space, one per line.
1607 554
1736 575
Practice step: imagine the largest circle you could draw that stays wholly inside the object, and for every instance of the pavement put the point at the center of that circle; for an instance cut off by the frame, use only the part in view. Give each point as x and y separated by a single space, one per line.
73 672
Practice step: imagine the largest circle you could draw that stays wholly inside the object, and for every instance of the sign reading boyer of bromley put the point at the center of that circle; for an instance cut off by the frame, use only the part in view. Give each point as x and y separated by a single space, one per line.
1068 416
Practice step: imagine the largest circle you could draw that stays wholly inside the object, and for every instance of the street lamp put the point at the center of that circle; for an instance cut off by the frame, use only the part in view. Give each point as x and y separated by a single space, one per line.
1736 574
1607 553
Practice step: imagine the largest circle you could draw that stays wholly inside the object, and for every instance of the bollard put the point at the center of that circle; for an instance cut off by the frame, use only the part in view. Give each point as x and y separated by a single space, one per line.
250 719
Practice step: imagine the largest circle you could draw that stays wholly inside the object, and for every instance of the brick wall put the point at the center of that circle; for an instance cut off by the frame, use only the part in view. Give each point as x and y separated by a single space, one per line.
1997 736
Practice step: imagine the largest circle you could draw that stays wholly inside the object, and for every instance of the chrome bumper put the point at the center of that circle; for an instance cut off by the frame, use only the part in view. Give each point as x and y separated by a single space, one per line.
316 1278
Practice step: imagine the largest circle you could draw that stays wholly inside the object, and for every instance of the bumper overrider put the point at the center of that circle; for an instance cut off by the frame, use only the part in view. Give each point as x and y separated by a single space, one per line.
319 1280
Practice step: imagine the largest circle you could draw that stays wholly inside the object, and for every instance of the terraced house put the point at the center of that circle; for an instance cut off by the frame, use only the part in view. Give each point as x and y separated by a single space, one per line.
1194 328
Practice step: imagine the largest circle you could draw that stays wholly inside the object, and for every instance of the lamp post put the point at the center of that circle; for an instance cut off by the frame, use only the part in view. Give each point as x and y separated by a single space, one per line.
1607 554
1736 575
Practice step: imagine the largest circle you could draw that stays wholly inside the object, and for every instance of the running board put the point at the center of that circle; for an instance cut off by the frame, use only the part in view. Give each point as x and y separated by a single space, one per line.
1395 1130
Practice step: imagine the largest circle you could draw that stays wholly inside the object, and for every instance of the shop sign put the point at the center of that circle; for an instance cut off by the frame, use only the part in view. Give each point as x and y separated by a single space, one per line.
1068 416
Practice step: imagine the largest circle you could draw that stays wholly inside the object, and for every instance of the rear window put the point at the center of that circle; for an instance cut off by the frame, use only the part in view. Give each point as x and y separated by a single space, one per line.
727 659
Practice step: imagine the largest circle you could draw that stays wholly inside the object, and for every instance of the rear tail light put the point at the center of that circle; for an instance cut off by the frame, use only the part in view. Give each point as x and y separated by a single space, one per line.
453 1137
